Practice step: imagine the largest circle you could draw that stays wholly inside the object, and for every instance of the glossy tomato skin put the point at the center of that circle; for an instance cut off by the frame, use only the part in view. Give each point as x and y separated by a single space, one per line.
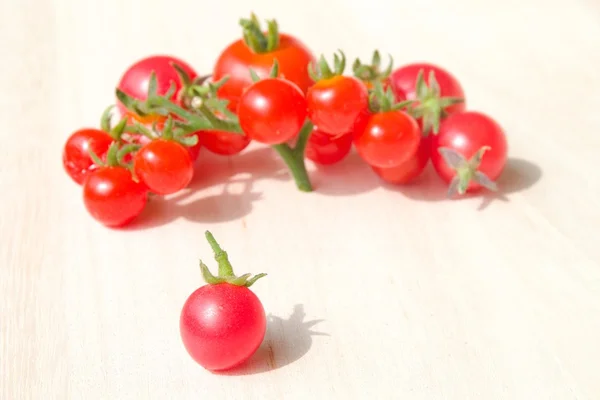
235 61
466 132
272 111
112 197
335 103
325 149
403 82
76 157
410 169
164 166
222 325
136 78
223 143
387 139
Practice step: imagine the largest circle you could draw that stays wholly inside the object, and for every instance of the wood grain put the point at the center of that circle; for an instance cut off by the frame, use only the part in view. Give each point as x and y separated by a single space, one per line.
373 292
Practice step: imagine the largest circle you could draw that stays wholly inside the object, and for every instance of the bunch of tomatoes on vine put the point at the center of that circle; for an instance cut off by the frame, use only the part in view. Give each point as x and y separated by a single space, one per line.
268 87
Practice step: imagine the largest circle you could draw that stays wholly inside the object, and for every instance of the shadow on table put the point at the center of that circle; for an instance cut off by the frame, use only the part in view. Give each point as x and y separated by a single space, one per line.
518 175
286 341
234 175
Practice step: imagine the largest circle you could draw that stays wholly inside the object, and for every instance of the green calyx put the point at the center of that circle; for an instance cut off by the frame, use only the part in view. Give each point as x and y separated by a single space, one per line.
381 100
431 106
118 130
254 37
466 170
225 274
169 132
115 155
322 70
371 73
273 73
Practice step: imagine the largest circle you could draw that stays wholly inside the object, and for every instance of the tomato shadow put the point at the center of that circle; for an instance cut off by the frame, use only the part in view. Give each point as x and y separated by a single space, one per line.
348 177
286 341
222 190
518 175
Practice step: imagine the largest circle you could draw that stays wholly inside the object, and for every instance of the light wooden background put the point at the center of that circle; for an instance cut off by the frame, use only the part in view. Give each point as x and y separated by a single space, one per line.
417 297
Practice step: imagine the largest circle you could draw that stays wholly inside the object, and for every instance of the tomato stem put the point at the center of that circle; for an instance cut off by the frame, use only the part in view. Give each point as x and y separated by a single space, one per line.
221 257
225 274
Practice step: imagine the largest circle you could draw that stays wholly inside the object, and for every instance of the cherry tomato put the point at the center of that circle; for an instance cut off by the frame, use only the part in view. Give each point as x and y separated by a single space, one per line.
164 166
76 152
387 139
135 80
465 134
325 149
222 323
335 103
223 143
272 111
112 197
237 59
404 79
410 169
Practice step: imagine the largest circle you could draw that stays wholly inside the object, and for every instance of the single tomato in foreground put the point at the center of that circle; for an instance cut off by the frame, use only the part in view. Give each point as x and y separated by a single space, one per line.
164 166
272 111
469 152
326 149
258 51
76 158
410 169
386 139
222 323
135 81
436 92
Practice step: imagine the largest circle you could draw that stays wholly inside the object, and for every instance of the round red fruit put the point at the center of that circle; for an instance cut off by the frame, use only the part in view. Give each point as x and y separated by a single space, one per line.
470 151
325 149
223 143
136 78
387 139
410 169
112 197
272 111
222 323
240 56
164 166
335 103
76 152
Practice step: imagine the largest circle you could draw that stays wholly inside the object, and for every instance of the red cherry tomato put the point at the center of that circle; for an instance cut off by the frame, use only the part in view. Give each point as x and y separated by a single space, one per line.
404 79
335 103
164 166
222 323
410 169
387 139
465 134
272 111
325 149
76 152
223 143
136 78
112 197
237 59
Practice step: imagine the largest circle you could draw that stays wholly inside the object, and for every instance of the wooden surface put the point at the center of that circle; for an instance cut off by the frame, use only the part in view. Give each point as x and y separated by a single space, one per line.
408 295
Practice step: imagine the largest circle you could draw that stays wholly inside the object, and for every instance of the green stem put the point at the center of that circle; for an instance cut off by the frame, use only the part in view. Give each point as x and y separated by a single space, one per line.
225 268
296 165
303 138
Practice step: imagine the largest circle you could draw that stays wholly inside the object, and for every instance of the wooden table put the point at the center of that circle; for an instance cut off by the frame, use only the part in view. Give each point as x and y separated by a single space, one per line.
407 295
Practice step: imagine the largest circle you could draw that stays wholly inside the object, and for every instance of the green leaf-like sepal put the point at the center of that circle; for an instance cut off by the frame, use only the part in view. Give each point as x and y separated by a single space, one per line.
466 170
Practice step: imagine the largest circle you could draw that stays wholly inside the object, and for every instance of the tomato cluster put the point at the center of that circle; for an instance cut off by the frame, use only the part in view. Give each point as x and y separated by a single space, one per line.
267 87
